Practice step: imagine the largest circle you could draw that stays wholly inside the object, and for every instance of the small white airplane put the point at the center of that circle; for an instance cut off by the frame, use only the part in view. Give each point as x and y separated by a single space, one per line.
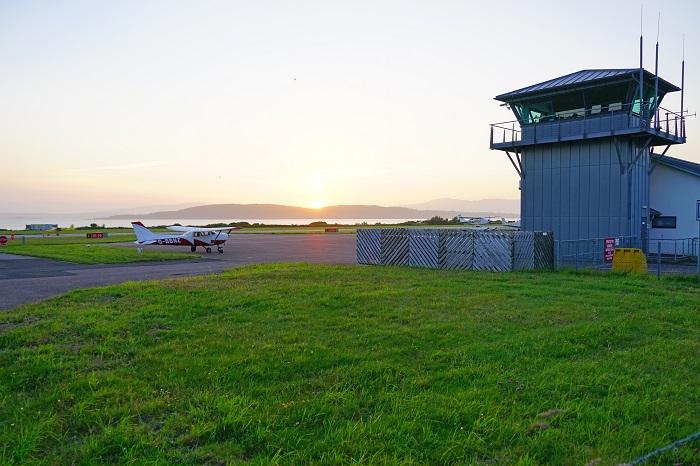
481 220
191 236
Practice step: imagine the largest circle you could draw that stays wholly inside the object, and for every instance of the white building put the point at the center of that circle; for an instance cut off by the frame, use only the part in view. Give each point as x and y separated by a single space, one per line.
675 190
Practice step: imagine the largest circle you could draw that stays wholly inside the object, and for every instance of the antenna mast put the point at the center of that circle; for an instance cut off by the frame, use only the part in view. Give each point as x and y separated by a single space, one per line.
641 68
656 74
683 88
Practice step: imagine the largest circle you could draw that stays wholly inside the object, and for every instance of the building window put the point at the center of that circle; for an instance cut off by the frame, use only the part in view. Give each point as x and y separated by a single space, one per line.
573 113
663 221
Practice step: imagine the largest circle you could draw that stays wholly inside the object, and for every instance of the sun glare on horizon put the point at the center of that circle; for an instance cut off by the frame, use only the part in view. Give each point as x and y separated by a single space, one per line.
316 205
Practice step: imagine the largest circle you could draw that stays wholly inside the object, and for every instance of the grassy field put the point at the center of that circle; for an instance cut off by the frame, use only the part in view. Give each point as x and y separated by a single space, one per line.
68 231
305 364
90 252
81 230
6 231
62 239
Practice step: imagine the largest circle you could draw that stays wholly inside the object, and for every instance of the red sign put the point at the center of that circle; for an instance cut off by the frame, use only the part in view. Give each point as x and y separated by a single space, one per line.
331 230
3 239
95 235
609 249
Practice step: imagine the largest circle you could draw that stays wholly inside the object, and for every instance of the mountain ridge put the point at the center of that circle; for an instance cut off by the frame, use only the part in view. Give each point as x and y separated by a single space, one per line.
280 211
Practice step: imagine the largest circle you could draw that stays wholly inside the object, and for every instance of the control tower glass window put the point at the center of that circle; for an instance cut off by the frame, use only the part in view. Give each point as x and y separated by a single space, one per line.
533 112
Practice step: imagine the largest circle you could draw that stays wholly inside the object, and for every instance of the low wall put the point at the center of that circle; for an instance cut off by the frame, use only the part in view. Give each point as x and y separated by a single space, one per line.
448 248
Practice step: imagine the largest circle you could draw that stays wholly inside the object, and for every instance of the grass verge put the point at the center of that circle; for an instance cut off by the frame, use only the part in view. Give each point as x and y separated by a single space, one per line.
92 253
47 240
305 364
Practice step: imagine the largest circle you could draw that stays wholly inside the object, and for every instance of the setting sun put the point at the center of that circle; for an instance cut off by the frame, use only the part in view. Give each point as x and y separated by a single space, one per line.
316 204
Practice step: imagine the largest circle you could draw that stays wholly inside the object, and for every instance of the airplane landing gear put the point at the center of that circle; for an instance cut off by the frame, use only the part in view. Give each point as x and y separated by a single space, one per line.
193 248
220 249
208 250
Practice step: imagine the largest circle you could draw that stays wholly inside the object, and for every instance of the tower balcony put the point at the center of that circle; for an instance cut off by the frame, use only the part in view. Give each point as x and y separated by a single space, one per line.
664 128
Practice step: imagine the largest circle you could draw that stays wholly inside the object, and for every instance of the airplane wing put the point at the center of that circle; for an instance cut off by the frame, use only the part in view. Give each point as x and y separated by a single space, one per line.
188 229
180 229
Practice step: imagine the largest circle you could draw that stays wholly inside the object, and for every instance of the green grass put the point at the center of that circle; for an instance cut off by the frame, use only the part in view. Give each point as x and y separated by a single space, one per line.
6 231
88 251
48 240
66 231
91 253
302 364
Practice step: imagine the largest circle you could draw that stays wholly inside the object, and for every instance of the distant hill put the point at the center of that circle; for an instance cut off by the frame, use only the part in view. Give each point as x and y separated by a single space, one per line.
482 206
277 211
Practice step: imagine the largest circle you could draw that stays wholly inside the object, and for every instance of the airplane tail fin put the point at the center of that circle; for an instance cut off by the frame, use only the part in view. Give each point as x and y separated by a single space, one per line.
142 233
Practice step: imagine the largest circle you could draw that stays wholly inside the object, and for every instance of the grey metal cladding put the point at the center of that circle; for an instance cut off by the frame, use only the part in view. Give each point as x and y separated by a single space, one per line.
578 198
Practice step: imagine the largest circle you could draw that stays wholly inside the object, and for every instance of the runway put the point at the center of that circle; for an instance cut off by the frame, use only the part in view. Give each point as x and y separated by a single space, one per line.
28 279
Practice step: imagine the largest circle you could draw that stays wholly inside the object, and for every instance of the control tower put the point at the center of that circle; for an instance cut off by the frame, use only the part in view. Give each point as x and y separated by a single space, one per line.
581 145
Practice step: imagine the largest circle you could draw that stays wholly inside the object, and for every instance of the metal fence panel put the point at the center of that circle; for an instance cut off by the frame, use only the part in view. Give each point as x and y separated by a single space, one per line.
369 246
524 250
459 249
455 249
394 246
543 250
425 248
493 251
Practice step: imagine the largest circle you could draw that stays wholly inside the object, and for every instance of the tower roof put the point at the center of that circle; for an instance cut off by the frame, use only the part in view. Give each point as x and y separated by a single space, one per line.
583 78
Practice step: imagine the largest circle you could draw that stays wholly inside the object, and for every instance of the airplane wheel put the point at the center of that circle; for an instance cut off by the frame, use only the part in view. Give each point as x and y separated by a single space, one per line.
221 250
208 250
193 248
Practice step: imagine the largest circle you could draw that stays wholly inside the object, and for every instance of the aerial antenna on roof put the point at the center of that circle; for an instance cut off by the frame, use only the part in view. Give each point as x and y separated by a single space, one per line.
682 87
641 67
656 73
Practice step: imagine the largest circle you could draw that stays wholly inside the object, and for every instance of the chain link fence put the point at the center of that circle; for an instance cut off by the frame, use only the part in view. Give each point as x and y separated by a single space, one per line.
588 253
664 256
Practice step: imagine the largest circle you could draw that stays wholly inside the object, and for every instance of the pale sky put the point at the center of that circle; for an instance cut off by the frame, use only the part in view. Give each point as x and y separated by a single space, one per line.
134 103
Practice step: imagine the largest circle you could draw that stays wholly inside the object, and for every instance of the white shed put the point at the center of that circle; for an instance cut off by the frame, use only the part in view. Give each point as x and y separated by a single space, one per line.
675 190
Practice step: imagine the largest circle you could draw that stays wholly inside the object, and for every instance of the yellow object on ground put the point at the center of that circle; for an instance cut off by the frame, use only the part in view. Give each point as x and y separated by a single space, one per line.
629 260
